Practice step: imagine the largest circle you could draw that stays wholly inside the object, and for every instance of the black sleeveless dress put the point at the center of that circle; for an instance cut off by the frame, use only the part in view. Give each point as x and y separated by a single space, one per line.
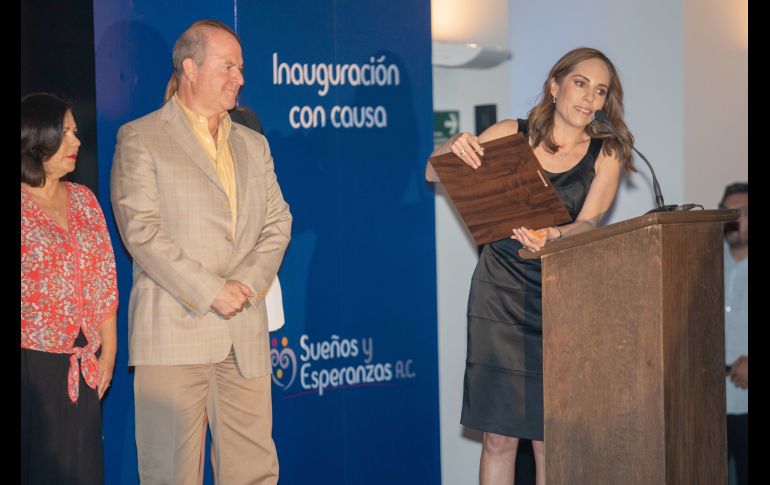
503 391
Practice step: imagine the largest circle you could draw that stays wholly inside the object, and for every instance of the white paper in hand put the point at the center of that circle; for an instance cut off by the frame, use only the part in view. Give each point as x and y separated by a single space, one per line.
274 306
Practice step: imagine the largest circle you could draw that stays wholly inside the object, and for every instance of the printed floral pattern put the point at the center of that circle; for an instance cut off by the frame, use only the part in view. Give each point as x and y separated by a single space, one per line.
68 281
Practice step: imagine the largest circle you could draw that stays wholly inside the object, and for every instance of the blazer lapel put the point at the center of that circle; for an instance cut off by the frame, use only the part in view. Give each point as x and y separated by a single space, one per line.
241 164
181 132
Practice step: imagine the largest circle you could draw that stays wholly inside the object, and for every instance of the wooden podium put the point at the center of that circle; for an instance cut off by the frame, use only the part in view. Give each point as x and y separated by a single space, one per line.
634 352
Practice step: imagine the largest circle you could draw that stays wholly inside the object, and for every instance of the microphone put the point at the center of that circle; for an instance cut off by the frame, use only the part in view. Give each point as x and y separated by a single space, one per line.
601 117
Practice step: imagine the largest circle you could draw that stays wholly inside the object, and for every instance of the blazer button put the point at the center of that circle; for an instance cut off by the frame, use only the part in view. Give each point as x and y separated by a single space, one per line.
228 239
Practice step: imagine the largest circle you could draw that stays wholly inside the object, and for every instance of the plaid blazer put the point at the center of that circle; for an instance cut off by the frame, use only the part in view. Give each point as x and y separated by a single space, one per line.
174 218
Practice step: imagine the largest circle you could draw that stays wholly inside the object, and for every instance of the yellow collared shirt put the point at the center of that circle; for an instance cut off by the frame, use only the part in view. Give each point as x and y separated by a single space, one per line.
219 152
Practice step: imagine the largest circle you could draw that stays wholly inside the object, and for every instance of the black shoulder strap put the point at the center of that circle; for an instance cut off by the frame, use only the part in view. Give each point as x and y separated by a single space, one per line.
522 126
595 147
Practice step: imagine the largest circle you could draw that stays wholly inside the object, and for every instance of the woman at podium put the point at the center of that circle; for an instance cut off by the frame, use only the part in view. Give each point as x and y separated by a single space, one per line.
503 391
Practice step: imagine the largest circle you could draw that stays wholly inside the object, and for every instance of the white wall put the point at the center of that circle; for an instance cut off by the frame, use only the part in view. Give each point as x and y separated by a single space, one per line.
716 103
644 41
484 22
456 256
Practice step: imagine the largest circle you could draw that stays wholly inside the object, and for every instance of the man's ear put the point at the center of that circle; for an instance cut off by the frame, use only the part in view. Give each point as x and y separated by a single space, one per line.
190 69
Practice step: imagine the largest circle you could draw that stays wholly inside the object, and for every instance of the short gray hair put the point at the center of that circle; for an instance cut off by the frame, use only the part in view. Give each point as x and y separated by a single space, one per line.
194 42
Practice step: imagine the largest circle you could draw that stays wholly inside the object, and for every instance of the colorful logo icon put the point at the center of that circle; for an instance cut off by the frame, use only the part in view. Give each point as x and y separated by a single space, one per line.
284 363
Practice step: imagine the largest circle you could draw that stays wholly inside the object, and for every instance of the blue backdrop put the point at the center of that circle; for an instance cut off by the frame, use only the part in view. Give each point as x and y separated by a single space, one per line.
343 89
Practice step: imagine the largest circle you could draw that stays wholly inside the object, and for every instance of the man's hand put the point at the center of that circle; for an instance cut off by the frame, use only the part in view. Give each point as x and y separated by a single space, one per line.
739 372
231 299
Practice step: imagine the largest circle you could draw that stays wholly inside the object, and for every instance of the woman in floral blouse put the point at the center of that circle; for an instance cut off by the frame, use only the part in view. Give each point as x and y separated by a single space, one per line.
69 300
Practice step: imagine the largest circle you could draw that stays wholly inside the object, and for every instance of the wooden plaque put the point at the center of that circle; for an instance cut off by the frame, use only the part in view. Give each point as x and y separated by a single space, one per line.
509 190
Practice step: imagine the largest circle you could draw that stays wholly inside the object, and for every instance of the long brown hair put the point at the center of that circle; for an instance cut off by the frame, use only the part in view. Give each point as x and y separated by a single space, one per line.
171 87
540 118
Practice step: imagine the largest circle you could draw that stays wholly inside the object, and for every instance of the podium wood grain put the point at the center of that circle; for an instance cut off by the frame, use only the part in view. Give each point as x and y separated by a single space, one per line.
633 353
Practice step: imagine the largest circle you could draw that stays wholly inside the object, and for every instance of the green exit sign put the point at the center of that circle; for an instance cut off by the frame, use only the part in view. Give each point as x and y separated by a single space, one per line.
445 125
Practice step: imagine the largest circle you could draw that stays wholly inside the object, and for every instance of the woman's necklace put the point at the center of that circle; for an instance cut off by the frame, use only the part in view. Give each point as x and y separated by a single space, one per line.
565 154
57 205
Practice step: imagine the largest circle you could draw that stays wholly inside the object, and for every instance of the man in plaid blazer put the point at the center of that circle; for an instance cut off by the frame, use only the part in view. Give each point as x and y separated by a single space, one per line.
199 209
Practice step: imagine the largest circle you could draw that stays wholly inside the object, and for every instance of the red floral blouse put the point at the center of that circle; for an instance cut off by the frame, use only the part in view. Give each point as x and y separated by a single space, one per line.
68 281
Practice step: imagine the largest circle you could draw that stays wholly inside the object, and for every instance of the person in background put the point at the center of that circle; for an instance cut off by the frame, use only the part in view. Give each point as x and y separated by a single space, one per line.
736 267
503 394
198 205
69 300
